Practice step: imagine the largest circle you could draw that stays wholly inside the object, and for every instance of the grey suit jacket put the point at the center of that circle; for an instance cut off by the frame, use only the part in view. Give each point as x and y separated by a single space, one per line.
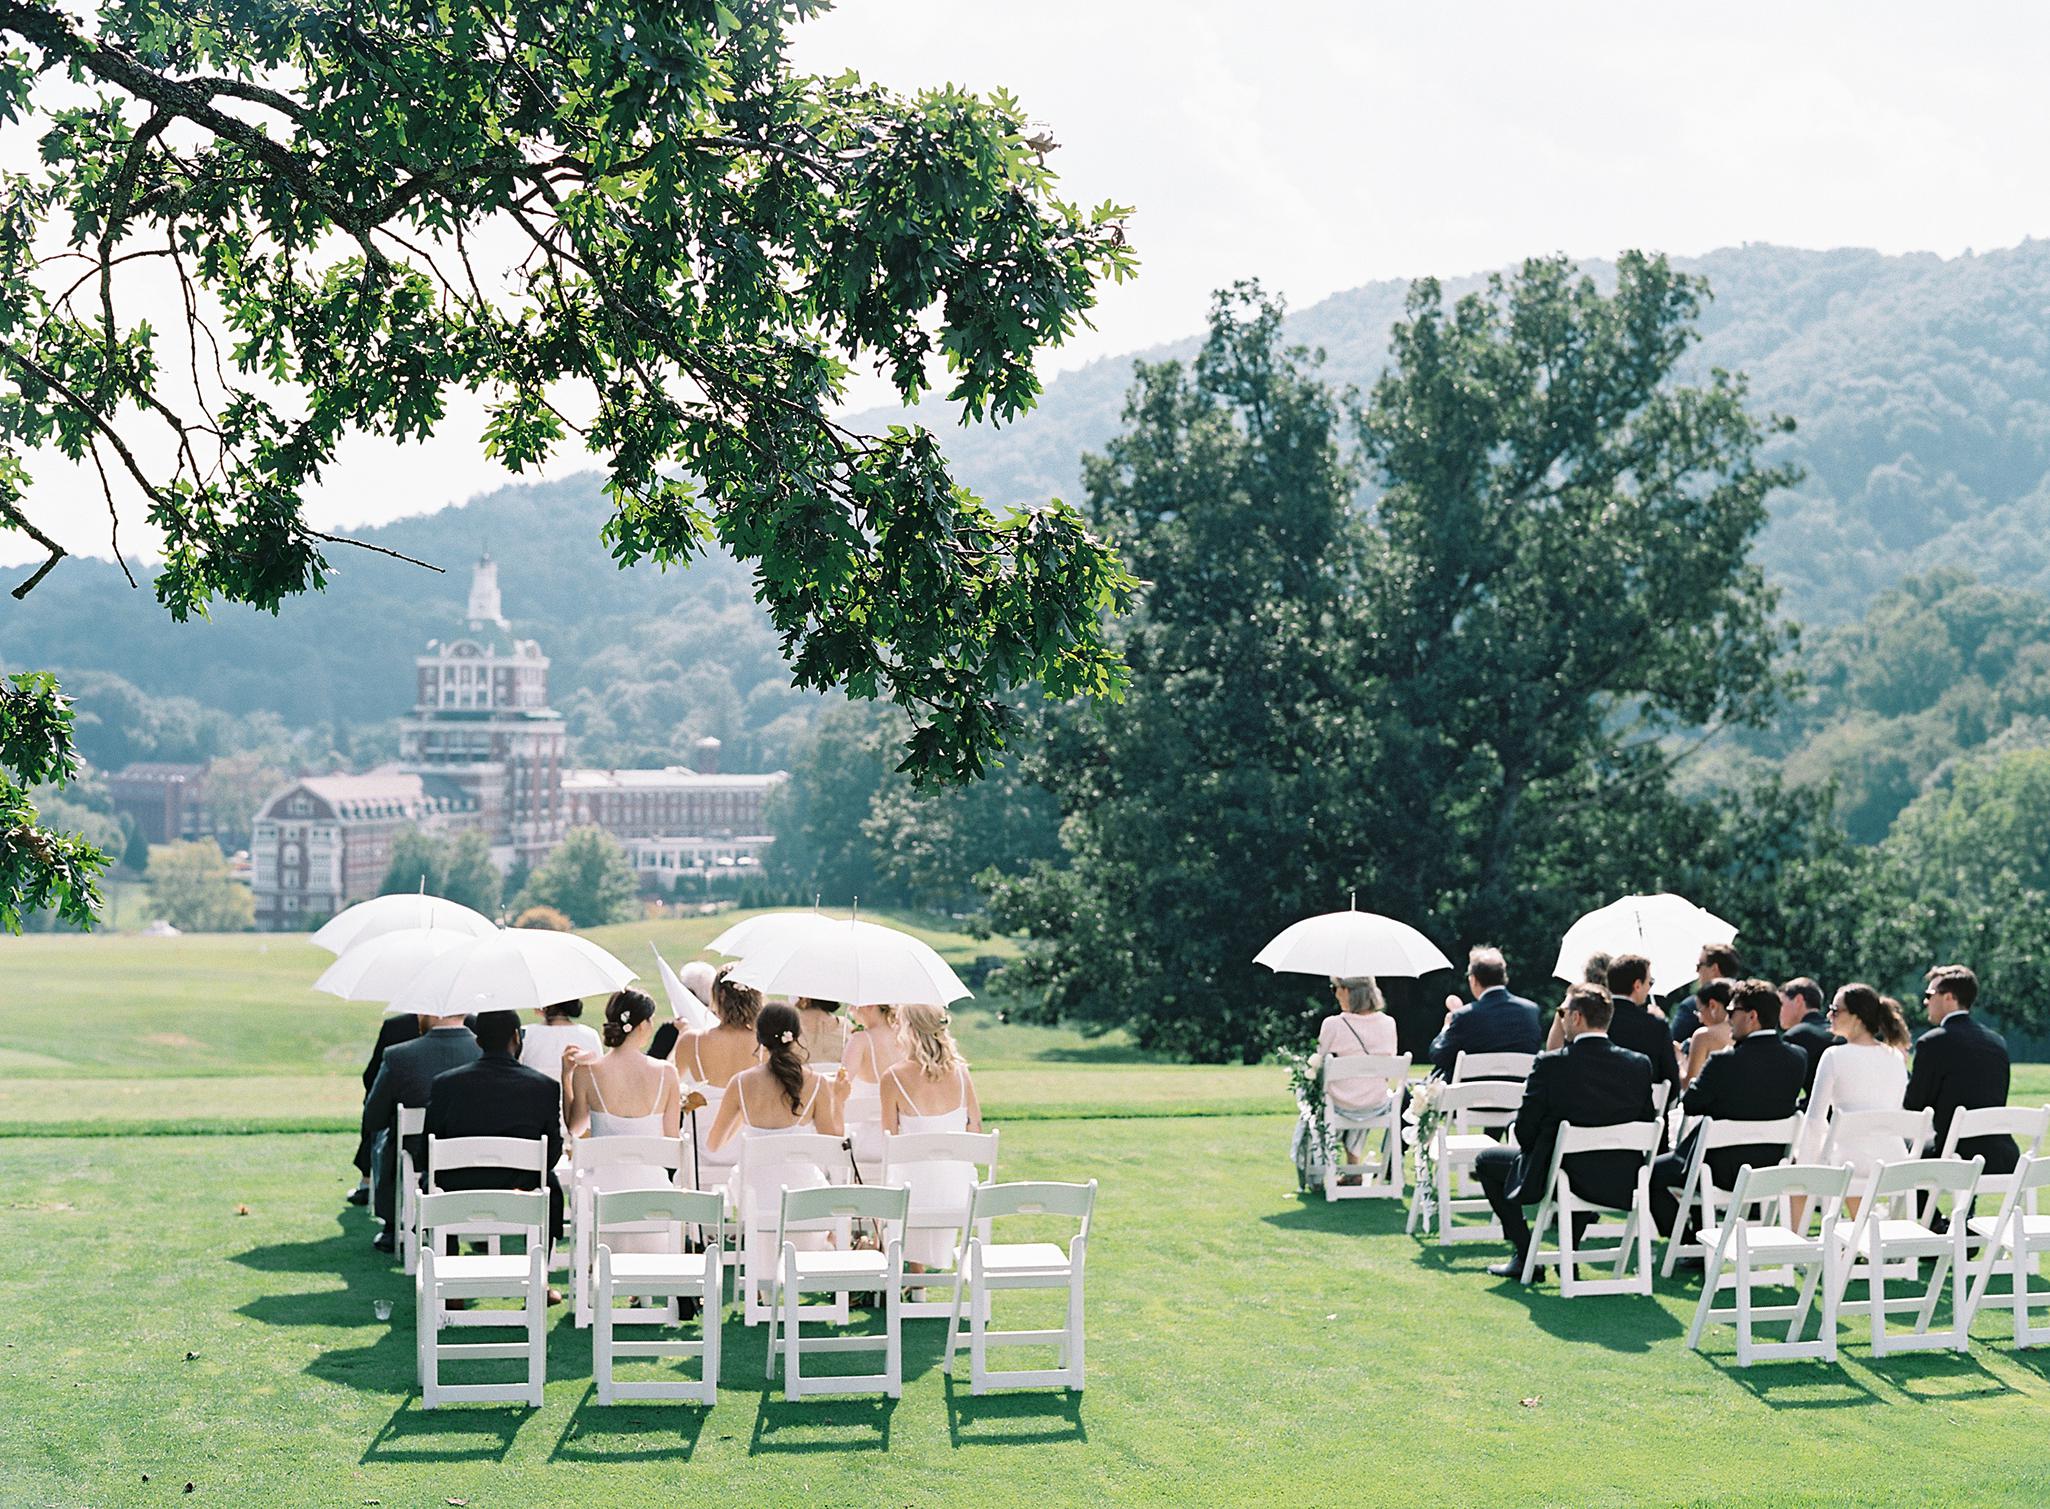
407 1074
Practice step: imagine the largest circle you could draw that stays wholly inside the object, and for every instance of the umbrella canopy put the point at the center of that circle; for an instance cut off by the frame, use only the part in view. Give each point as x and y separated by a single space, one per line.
1352 943
770 927
378 968
515 969
856 963
391 914
691 1014
1667 929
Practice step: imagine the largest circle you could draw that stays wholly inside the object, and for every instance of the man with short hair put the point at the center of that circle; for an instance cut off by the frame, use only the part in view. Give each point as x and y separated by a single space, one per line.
405 1077
1496 1022
1804 1024
1591 1082
1759 1077
1716 961
498 1096
1960 1064
1634 1027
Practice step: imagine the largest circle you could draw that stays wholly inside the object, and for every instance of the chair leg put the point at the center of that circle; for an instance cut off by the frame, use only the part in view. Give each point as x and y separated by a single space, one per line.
893 1340
792 1360
962 1286
1075 1358
1744 1313
978 1347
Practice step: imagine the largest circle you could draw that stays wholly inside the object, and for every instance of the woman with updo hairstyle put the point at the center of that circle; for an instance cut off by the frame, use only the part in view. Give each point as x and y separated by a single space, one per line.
930 1091
624 1093
1712 1006
558 1040
822 1031
708 1060
874 1048
1861 1073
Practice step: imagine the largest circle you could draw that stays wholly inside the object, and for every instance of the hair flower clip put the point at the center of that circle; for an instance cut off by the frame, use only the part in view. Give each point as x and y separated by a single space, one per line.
789 1037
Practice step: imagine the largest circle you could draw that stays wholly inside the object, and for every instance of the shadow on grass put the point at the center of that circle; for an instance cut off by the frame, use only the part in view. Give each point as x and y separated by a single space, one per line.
1312 1212
1932 1377
1795 1383
1024 1418
843 1422
471 1433
346 1252
1099 1053
635 1430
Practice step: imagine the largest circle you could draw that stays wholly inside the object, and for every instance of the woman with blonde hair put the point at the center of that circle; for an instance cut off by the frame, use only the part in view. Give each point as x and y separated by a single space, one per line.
873 1049
1361 1025
931 1091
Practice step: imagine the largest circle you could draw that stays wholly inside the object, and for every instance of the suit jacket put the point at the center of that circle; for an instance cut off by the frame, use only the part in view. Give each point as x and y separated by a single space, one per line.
1497 1022
1812 1036
1757 1078
396 1030
495 1096
1635 1028
406 1078
1959 1066
1591 1082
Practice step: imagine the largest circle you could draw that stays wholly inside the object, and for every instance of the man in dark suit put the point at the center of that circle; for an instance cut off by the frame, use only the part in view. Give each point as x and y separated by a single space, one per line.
404 1079
1960 1064
1759 1077
1496 1022
1634 1027
395 1030
1804 1024
1716 961
1591 1082
498 1096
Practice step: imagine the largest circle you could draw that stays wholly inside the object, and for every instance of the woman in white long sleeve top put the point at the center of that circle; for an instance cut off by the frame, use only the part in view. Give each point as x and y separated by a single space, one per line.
1861 1073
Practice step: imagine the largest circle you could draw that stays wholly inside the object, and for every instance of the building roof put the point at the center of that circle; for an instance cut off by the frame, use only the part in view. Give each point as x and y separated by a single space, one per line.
384 792
158 770
669 778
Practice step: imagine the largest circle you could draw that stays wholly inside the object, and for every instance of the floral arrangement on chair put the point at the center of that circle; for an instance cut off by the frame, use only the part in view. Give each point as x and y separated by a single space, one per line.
1420 1121
1313 1136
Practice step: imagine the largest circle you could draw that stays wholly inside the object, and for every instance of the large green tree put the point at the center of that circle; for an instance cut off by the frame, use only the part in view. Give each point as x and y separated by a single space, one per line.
1464 702
458 867
632 226
587 878
190 887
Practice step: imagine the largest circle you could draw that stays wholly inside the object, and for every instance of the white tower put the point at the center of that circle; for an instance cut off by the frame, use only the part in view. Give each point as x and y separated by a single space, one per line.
484 602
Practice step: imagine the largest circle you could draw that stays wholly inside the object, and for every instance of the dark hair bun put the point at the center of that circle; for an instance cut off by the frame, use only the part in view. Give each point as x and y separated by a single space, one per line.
625 1011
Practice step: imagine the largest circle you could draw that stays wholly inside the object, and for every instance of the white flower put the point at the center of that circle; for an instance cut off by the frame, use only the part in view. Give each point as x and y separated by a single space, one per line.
1316 1062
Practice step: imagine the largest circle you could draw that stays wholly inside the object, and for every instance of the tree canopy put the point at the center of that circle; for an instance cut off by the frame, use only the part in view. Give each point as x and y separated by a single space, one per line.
630 223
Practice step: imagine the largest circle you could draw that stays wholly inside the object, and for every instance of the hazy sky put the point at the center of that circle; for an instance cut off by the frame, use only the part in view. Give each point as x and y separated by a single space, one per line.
1321 146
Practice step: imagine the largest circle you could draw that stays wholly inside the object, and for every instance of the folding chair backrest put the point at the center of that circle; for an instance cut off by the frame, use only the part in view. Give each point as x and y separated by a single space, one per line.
1944 1176
1623 1137
1034 1198
1817 1181
525 1154
1473 1066
592 1153
846 1202
1661 1095
1486 1097
2032 1173
691 1207
1339 1068
1911 1127
812 1150
481 1207
978 1148
1716 1133
412 1120
2025 1124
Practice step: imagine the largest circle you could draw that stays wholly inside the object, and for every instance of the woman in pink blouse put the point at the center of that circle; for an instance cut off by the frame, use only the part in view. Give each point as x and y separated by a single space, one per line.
1360 1025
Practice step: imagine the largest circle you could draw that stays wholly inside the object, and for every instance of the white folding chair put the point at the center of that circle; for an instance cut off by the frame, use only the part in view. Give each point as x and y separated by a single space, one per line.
1745 1246
1701 1190
512 1155
1561 1203
1470 1110
986 1266
1886 1237
2015 1240
838 1272
408 1122
1380 1177
2027 1125
588 1156
769 1163
1855 1130
902 1151
443 1277
664 1276
1469 1067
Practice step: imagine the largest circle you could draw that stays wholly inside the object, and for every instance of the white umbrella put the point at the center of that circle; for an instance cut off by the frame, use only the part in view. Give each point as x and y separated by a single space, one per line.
855 963
691 1014
377 969
769 927
391 914
1352 943
1667 929
515 969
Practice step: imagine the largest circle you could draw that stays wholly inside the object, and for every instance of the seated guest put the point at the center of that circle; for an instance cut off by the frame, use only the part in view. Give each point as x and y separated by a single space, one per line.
1496 1022
1634 1027
1359 1026
396 1030
823 1033
1859 1073
695 977
1758 1078
542 1046
404 1079
1960 1065
707 1061
1590 1082
1712 1005
1717 961
498 1096
1803 1023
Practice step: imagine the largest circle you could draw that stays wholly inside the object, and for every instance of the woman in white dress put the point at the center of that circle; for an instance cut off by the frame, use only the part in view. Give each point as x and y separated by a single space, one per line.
708 1060
623 1093
931 1092
1712 1005
872 1051
822 1032
1861 1073
542 1047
